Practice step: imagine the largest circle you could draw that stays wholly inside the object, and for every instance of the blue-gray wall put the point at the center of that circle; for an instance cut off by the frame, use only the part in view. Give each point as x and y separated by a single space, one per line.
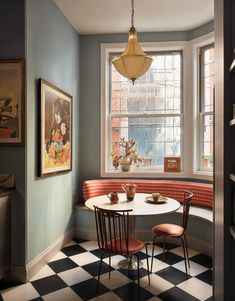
90 85
12 158
52 54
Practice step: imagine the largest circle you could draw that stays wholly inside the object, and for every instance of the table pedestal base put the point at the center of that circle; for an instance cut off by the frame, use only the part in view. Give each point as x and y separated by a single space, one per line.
130 264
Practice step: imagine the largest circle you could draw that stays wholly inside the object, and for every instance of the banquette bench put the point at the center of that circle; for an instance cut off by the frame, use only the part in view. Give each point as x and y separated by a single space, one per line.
200 221
202 192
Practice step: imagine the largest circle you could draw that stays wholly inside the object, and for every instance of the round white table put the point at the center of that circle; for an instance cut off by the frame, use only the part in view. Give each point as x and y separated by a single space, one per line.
140 207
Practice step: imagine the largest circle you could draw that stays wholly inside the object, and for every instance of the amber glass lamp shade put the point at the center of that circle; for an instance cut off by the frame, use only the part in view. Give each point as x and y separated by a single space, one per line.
133 62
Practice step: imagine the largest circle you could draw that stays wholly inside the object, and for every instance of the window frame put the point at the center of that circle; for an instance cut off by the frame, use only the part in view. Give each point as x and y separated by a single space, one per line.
180 114
188 150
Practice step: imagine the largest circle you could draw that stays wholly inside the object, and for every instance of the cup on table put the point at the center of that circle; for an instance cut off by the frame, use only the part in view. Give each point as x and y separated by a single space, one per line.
113 197
156 196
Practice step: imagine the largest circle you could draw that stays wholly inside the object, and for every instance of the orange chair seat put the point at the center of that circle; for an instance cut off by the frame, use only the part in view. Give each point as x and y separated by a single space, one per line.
134 246
168 230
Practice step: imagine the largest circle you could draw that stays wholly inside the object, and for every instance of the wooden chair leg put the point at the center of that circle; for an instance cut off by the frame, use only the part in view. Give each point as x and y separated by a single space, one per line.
185 258
98 282
186 245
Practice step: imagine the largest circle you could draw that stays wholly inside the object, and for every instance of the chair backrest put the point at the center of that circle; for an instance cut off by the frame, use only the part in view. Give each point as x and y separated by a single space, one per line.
112 229
186 206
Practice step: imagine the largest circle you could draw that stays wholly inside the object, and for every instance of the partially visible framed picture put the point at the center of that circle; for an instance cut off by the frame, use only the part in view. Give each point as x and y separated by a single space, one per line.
55 130
12 102
172 164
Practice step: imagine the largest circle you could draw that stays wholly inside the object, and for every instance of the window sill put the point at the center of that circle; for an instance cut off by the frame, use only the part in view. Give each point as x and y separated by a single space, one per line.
156 174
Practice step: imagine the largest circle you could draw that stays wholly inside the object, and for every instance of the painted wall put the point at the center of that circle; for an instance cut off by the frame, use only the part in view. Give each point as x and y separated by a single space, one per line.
12 158
52 54
90 90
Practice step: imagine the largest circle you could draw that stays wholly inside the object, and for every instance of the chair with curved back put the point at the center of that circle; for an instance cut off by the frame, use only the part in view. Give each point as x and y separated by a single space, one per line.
113 229
175 231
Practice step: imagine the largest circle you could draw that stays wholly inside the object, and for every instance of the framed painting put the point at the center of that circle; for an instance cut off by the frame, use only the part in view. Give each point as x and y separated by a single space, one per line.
55 129
172 164
12 102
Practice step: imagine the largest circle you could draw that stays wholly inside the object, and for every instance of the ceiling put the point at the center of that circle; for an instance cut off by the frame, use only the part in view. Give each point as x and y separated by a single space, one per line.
113 16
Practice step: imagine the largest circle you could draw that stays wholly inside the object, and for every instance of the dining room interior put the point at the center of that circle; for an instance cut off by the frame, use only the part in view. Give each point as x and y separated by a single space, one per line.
117 111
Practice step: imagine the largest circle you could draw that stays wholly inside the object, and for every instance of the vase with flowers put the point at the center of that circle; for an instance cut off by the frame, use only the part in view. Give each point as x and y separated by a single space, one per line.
126 155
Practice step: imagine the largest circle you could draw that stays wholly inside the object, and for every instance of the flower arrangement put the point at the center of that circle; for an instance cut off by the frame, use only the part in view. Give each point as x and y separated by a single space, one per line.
127 148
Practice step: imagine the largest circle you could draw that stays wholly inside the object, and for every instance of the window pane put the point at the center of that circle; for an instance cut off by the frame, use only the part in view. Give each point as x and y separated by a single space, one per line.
158 91
208 79
207 142
155 137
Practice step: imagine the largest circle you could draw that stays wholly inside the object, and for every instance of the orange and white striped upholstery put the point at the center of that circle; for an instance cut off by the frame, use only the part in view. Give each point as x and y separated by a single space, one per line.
202 192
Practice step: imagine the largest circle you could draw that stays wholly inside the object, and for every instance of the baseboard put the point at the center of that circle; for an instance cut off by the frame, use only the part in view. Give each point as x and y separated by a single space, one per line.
37 263
143 234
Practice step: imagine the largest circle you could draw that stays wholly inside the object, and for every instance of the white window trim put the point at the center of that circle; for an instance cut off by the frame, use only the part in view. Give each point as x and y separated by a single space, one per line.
196 44
187 151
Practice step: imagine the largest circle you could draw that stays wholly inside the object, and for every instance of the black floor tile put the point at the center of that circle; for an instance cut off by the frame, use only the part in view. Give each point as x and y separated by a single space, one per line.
98 253
48 284
93 268
131 292
202 259
169 258
168 246
87 289
210 299
1 299
205 277
37 299
133 275
73 250
4 284
79 240
62 265
176 294
173 275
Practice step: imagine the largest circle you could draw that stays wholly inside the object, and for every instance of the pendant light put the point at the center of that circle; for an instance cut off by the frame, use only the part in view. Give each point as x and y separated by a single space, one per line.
133 62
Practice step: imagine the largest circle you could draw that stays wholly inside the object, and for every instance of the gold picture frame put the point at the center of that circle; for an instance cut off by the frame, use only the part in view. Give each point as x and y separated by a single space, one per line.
55 130
12 100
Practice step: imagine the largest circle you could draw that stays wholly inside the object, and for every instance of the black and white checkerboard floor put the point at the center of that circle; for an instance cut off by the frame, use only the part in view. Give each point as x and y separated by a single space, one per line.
72 276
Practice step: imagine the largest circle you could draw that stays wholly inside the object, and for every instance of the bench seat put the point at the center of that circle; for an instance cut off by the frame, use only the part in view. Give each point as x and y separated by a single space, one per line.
202 192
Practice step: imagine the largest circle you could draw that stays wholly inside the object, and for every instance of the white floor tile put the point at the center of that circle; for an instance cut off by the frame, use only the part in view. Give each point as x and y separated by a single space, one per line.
84 258
194 269
117 280
196 288
74 276
154 299
61 295
179 251
44 272
157 250
157 284
23 292
157 264
110 296
89 245
58 256
114 261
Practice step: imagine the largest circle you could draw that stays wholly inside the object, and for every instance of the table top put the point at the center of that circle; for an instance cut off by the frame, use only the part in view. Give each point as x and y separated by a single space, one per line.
139 205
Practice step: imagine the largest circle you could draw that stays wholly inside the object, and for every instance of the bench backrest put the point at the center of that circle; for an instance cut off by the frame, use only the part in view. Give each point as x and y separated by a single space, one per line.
202 192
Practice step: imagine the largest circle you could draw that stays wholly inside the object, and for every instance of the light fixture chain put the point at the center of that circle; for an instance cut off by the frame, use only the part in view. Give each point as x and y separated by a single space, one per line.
132 13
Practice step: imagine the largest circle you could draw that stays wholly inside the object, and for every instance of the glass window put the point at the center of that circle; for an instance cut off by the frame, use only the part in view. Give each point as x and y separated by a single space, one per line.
206 107
150 111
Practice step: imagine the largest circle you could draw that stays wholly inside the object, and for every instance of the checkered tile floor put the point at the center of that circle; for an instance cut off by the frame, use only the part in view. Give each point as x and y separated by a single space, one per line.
72 276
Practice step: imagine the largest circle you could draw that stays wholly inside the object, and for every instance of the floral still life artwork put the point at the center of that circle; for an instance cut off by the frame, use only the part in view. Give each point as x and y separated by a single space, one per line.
125 154
11 102
56 130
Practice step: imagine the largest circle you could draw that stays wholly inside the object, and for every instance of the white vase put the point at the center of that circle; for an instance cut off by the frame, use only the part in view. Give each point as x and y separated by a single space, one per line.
125 163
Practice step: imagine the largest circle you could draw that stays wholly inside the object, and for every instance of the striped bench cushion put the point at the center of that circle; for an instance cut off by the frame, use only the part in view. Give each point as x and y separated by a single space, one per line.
202 192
